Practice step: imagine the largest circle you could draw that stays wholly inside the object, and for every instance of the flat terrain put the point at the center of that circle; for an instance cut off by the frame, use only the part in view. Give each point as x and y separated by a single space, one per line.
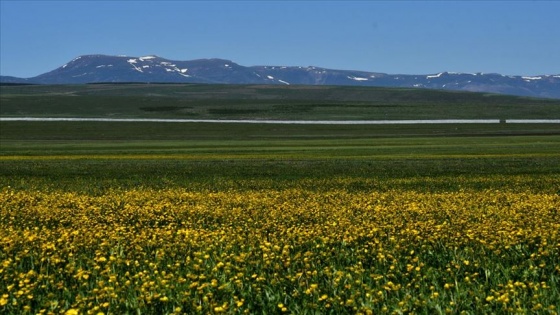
204 218
217 141
159 154
265 102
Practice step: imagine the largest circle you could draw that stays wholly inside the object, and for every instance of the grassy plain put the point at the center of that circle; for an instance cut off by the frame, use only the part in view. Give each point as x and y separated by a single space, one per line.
265 102
145 218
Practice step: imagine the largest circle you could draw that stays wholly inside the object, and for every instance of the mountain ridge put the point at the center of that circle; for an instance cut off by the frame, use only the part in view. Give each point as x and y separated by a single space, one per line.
98 68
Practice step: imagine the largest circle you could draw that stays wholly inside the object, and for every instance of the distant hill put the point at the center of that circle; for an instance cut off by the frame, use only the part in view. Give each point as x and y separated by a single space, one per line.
154 69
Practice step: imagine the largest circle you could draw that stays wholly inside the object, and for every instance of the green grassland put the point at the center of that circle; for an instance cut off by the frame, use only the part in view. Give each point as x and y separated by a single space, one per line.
196 101
168 217
127 151
403 150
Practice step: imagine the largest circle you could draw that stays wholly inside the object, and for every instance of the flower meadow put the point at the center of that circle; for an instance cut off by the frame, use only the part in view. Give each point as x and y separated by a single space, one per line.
301 247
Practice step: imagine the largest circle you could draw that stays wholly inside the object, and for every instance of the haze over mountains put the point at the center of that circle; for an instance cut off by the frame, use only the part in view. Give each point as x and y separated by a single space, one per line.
154 69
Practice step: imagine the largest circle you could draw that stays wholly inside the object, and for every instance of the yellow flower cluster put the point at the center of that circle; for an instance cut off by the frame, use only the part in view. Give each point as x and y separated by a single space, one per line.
288 250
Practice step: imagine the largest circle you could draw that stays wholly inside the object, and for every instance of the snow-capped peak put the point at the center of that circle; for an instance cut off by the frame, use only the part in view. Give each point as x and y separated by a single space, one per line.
152 68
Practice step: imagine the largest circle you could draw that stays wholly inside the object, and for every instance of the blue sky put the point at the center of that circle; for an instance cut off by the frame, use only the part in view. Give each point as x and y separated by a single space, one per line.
398 37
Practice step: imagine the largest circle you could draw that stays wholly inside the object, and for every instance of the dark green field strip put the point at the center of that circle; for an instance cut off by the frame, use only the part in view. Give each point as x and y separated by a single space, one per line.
265 102
113 131
372 95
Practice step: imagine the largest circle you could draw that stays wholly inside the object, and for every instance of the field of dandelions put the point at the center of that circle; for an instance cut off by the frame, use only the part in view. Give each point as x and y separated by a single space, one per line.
324 245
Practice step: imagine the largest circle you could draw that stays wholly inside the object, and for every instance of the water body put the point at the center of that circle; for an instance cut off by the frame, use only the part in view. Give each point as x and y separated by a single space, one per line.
292 122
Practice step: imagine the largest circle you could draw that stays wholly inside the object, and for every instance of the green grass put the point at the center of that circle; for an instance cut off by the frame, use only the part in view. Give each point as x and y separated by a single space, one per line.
102 189
111 131
139 152
265 102
96 176
434 147
418 163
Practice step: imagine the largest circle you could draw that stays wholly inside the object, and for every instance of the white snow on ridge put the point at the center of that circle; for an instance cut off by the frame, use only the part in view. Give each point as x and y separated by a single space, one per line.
434 76
283 82
184 70
131 61
357 78
532 78
146 58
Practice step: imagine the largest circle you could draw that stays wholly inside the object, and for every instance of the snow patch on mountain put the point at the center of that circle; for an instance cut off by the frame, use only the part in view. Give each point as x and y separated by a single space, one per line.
147 58
357 78
133 62
434 76
532 78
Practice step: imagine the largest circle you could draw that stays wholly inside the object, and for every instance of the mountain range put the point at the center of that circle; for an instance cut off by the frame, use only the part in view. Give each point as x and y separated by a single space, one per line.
154 69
